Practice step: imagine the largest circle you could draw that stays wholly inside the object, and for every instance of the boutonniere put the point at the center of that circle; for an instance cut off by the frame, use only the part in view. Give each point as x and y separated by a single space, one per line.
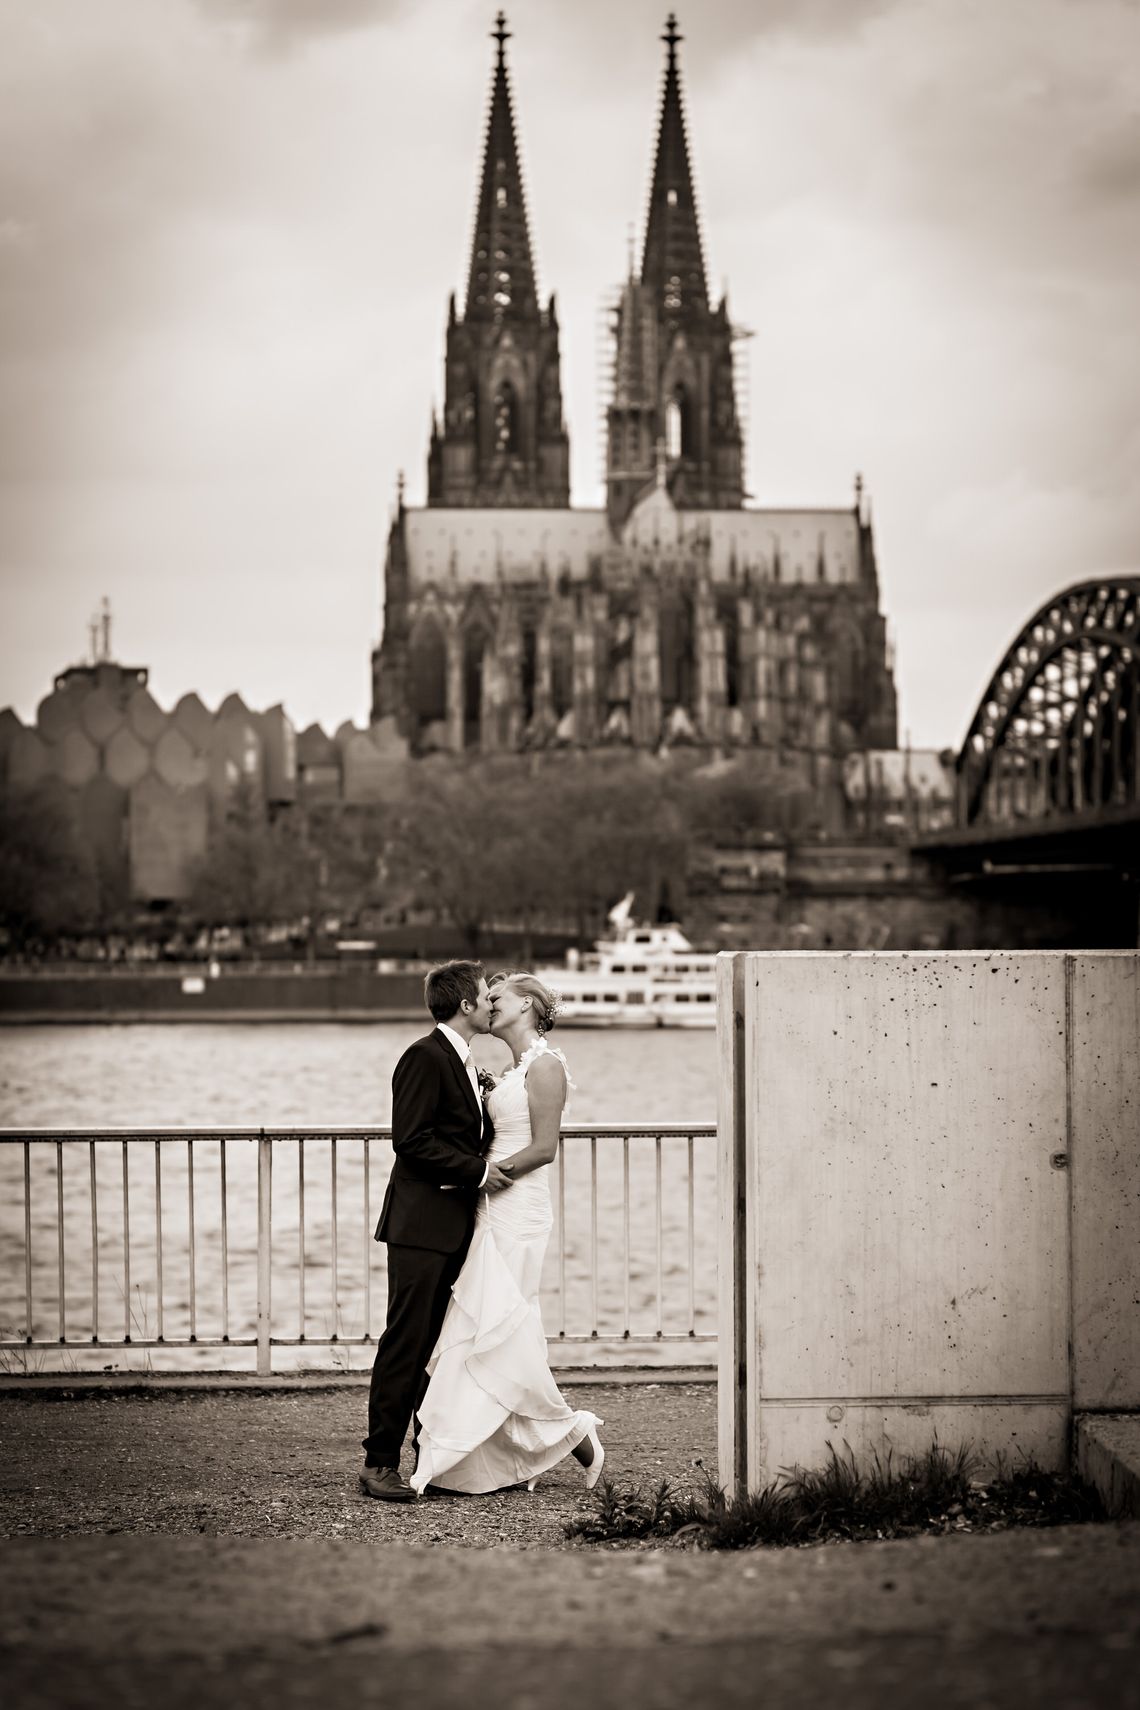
487 1083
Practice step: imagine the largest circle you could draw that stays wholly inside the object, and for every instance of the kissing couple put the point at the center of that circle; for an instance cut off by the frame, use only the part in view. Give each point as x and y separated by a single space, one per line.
466 1218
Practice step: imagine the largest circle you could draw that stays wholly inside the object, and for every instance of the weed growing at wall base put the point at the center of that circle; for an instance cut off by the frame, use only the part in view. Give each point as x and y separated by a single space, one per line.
931 1493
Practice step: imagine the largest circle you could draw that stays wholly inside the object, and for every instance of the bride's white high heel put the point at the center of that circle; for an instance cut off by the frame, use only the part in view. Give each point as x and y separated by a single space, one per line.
531 1482
594 1471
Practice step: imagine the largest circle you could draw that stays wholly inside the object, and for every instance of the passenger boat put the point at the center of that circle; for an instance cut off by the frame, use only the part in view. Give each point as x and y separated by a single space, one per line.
640 976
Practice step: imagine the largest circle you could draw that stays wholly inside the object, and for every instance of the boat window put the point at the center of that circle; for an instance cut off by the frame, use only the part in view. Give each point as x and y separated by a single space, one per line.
704 997
610 997
636 997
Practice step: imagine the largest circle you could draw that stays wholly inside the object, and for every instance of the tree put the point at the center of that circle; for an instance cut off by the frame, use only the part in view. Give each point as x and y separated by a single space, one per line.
622 831
48 886
492 843
731 807
253 873
346 857
461 843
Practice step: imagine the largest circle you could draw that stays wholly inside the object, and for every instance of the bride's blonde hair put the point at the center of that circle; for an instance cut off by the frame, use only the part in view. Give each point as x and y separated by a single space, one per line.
545 1002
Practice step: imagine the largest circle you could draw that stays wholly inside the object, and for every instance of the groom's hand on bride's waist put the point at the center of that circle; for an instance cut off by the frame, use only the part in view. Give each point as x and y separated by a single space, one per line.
497 1179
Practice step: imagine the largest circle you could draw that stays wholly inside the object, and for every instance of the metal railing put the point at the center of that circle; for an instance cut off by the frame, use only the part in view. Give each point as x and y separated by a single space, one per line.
229 1254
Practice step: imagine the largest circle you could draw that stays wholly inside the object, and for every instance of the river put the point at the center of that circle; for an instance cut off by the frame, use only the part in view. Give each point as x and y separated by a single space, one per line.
270 1075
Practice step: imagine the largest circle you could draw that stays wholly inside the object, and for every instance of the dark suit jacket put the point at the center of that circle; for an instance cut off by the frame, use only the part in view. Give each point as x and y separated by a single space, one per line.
435 1136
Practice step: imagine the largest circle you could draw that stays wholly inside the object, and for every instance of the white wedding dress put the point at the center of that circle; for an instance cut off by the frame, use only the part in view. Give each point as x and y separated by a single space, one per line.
493 1415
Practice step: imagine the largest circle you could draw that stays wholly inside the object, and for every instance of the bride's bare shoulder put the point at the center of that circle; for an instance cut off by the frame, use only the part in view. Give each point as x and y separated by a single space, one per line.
547 1070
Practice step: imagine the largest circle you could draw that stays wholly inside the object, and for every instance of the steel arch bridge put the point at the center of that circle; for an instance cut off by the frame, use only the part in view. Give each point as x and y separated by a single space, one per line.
1056 737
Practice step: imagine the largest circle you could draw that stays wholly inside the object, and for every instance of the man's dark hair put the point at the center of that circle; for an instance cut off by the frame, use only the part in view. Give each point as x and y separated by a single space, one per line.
446 987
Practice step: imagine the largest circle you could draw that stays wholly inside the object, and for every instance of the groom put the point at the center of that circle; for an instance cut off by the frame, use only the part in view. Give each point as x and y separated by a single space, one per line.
439 1135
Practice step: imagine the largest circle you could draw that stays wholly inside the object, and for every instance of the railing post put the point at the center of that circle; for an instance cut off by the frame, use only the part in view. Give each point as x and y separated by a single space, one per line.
732 1191
264 1254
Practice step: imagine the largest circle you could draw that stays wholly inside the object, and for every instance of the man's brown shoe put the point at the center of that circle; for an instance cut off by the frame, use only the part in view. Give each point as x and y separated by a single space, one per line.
386 1485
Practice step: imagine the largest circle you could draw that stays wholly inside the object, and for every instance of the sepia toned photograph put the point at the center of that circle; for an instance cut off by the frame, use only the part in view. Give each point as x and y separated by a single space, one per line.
570 854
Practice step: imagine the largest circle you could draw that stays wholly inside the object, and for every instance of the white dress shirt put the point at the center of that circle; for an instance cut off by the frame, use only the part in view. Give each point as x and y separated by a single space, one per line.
462 1050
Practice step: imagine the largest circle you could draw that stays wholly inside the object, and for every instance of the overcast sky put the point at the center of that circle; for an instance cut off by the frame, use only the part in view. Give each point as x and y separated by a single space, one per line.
228 229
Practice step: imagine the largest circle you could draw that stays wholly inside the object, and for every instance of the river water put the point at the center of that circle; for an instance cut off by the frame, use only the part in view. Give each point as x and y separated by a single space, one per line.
325 1075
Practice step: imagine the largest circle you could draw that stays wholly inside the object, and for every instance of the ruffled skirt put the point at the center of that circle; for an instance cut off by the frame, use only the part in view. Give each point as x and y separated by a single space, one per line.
493 1415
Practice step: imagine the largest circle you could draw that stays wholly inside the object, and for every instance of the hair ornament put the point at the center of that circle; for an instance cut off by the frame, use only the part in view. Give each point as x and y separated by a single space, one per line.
553 1010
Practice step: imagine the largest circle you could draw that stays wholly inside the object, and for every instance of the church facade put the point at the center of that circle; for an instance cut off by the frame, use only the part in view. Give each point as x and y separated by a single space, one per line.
675 614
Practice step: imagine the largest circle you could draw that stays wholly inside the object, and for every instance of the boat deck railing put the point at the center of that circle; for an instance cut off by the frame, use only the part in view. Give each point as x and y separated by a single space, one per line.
238 1244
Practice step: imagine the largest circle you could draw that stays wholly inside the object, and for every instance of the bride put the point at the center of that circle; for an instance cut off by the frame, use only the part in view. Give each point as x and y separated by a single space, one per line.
492 1415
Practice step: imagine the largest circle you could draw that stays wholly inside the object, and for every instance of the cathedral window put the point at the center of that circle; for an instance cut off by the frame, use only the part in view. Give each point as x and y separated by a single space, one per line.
673 428
678 425
677 652
561 671
427 673
671 198
850 675
501 196
730 623
528 672
506 417
475 649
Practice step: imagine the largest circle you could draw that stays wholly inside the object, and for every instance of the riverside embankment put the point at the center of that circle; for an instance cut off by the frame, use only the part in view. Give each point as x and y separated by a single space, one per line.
194 994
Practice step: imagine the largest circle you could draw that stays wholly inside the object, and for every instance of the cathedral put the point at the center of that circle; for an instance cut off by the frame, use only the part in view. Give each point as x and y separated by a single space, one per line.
674 615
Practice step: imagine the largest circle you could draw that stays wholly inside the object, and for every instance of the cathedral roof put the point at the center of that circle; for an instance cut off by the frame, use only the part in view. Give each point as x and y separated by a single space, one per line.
501 275
475 545
773 544
672 265
471 546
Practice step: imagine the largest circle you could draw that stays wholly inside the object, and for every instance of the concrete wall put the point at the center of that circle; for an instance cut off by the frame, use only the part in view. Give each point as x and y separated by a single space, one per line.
1104 1052
897 1133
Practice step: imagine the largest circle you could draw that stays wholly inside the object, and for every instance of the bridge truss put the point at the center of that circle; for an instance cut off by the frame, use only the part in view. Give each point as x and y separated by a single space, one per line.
1056 738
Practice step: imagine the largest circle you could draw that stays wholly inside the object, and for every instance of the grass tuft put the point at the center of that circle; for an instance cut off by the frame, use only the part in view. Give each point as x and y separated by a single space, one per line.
935 1492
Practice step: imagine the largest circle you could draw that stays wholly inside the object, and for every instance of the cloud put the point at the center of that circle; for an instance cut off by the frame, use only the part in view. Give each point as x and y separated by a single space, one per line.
225 260
1109 169
105 158
278 25
814 18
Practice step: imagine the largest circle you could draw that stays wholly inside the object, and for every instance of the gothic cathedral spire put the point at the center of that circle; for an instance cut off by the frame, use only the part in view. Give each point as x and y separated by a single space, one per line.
501 275
672 266
673 374
502 440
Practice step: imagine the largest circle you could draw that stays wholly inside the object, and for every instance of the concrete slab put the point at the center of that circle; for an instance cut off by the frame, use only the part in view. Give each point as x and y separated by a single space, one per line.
1108 1456
907 1262
1104 1019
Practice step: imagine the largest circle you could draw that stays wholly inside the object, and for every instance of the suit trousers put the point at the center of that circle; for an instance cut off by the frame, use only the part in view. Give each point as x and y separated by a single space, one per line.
419 1287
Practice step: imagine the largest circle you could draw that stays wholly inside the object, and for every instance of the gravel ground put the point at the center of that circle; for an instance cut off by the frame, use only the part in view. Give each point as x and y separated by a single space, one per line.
188 1549
969 1623
285 1464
